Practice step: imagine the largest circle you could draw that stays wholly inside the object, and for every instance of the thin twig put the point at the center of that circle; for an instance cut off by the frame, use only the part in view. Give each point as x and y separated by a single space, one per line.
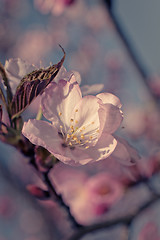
130 49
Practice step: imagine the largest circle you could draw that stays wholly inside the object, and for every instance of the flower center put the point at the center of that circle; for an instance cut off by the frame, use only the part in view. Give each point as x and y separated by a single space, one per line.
82 136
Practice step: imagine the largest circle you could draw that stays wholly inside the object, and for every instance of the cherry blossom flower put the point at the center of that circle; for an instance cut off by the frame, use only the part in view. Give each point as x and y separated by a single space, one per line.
89 197
56 7
149 231
79 130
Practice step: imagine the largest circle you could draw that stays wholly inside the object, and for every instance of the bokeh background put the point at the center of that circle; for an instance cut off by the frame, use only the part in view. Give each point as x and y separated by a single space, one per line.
33 31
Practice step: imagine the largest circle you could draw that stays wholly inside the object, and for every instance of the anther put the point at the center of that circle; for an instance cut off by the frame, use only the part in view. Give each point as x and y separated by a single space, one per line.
82 136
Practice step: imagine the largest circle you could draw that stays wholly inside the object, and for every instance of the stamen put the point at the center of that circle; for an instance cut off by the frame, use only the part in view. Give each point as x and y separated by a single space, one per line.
74 138
86 147
59 113
82 136
76 110
92 122
72 120
68 136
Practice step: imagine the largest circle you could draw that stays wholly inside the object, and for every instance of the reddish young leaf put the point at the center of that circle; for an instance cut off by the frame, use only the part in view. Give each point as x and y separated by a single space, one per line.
0 113
31 86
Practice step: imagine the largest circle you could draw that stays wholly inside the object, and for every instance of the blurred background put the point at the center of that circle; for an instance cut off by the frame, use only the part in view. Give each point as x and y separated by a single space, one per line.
32 30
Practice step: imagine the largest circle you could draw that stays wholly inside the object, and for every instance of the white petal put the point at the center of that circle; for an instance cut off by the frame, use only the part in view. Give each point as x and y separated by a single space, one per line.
104 148
113 118
59 100
110 98
91 89
62 74
85 115
43 134
124 153
16 69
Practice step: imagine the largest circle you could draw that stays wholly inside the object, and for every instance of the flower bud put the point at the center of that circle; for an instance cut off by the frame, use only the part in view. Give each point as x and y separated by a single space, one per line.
38 192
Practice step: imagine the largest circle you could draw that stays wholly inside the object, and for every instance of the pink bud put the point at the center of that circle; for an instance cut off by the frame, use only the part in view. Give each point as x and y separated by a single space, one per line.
37 192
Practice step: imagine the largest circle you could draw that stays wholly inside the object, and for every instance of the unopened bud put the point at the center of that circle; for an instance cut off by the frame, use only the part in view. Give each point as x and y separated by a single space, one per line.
38 192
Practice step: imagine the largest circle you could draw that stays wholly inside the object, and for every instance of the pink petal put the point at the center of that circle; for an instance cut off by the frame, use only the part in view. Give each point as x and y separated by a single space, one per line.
43 134
110 98
16 69
62 74
74 157
104 147
92 89
125 154
86 115
113 118
59 100
77 76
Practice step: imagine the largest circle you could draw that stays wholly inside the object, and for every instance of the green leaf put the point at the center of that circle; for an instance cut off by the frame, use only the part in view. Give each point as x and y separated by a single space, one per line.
32 85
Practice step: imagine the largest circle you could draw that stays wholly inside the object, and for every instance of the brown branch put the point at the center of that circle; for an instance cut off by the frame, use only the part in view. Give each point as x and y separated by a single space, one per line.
132 53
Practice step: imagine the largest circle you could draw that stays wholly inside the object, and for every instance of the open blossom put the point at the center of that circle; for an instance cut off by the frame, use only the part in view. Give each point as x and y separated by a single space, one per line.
79 130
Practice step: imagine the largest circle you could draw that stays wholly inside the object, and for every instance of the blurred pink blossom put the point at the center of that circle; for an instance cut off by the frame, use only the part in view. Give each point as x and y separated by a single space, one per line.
149 232
155 84
95 198
88 197
56 7
33 45
7 208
